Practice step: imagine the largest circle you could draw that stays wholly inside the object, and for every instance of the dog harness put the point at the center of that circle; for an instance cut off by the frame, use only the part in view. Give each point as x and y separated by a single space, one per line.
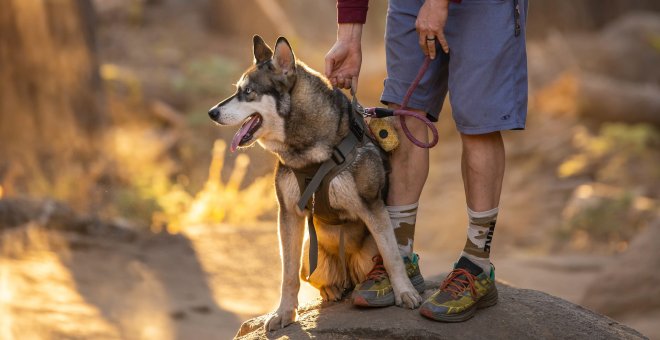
314 183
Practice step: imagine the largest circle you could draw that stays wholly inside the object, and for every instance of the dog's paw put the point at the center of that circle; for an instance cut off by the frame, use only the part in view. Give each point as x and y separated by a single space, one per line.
280 319
410 299
407 297
331 293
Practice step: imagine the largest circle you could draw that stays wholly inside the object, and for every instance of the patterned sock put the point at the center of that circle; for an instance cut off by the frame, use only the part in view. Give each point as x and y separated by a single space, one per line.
403 221
479 235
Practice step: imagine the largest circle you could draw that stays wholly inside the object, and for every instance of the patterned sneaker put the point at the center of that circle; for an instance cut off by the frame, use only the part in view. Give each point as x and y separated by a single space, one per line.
466 289
376 290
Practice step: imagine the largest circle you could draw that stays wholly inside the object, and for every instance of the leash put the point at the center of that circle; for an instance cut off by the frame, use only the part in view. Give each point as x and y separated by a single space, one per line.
404 111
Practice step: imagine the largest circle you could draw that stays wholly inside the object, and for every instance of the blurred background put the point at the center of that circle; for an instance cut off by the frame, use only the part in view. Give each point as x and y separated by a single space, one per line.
123 215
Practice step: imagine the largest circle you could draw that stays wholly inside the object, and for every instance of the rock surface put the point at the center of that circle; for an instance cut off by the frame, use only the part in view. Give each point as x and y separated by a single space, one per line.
520 314
637 267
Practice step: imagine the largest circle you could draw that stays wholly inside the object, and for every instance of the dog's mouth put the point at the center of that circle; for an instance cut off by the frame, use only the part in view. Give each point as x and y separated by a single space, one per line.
246 132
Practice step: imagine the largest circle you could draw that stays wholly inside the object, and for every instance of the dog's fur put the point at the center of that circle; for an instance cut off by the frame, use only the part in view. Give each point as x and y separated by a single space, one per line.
302 119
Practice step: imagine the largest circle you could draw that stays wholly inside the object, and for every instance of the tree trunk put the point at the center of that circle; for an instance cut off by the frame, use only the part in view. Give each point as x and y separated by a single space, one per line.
50 119
601 99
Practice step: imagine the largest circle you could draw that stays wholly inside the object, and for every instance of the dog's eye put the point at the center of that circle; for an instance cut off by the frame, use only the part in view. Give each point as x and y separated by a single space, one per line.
248 90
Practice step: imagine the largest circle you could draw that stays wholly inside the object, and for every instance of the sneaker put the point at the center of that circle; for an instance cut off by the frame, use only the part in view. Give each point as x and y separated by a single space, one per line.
466 289
376 290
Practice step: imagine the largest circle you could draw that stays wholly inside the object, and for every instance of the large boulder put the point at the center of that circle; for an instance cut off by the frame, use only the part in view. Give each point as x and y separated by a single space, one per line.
520 314
629 289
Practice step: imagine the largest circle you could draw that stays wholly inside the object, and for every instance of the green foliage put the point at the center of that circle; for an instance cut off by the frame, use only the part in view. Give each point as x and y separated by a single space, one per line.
654 40
621 161
607 219
619 154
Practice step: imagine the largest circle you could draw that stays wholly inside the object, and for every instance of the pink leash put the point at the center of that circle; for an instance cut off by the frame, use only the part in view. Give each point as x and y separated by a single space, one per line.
405 111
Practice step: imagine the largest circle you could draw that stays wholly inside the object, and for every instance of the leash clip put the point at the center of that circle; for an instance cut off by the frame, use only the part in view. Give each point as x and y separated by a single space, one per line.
357 106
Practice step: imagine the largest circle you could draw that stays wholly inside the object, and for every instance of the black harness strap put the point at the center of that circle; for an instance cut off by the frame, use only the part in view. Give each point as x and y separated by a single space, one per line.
340 154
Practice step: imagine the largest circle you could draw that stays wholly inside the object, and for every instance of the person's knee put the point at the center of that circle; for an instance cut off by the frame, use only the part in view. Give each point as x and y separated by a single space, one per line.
481 139
414 125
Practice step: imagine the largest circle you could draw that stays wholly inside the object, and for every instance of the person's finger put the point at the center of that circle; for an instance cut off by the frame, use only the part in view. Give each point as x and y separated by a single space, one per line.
354 84
430 43
443 41
329 65
333 81
422 42
347 83
341 83
341 79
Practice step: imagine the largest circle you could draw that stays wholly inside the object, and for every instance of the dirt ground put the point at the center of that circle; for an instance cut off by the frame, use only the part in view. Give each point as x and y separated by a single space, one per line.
198 285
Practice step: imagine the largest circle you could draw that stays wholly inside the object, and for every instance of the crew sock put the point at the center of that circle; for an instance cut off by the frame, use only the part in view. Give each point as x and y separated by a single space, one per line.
480 231
403 219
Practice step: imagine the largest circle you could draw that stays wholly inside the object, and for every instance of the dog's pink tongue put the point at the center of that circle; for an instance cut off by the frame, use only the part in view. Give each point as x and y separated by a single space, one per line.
242 132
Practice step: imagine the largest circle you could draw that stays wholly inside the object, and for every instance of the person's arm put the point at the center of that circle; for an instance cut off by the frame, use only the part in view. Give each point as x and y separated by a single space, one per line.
352 11
343 61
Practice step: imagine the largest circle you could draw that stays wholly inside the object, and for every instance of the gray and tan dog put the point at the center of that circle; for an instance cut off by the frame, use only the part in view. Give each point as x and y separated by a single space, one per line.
293 111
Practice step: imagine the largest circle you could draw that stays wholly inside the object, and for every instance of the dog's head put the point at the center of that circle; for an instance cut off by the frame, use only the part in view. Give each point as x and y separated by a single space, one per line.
262 96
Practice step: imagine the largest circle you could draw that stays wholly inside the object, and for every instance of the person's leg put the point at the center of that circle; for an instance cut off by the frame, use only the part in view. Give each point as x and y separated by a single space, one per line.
482 165
409 163
488 89
410 168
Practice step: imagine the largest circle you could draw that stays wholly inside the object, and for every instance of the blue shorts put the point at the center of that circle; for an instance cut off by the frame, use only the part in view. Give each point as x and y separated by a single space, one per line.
485 71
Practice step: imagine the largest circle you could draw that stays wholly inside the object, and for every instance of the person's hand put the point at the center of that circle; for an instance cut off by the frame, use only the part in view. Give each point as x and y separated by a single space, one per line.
430 26
343 61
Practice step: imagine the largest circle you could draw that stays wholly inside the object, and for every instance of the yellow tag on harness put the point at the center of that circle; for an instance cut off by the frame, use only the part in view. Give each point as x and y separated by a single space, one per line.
384 132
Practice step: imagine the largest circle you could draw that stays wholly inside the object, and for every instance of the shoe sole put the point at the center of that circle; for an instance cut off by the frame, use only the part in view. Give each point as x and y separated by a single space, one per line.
386 300
488 300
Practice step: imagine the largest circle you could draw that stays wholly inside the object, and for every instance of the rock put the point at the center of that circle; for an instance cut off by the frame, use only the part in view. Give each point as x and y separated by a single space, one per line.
631 284
520 313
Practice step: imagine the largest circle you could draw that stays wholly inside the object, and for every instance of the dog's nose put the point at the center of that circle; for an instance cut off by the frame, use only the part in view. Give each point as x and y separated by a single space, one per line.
214 113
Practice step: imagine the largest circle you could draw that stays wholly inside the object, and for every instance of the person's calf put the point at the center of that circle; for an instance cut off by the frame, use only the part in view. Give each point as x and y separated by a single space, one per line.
410 164
482 166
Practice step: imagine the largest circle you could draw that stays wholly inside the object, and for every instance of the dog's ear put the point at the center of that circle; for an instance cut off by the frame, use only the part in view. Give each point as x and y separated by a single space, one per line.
262 51
284 59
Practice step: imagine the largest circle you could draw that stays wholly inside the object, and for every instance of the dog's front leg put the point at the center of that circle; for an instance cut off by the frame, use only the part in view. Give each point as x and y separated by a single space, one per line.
378 222
291 231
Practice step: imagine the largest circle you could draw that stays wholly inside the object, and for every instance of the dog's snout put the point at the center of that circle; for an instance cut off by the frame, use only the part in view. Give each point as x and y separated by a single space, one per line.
214 113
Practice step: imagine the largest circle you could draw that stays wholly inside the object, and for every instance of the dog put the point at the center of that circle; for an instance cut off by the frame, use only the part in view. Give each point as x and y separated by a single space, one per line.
294 112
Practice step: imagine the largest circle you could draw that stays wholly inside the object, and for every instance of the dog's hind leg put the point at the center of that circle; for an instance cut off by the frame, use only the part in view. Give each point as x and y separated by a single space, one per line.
328 278
361 262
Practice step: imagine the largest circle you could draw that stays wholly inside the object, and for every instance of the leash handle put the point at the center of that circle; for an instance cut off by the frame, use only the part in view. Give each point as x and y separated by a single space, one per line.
404 111
378 112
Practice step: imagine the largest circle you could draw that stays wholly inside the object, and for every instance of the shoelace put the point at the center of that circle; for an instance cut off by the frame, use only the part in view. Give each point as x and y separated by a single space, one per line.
378 272
455 285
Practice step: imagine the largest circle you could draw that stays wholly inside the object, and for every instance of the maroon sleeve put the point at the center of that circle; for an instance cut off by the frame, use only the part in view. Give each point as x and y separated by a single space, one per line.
352 11
355 11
